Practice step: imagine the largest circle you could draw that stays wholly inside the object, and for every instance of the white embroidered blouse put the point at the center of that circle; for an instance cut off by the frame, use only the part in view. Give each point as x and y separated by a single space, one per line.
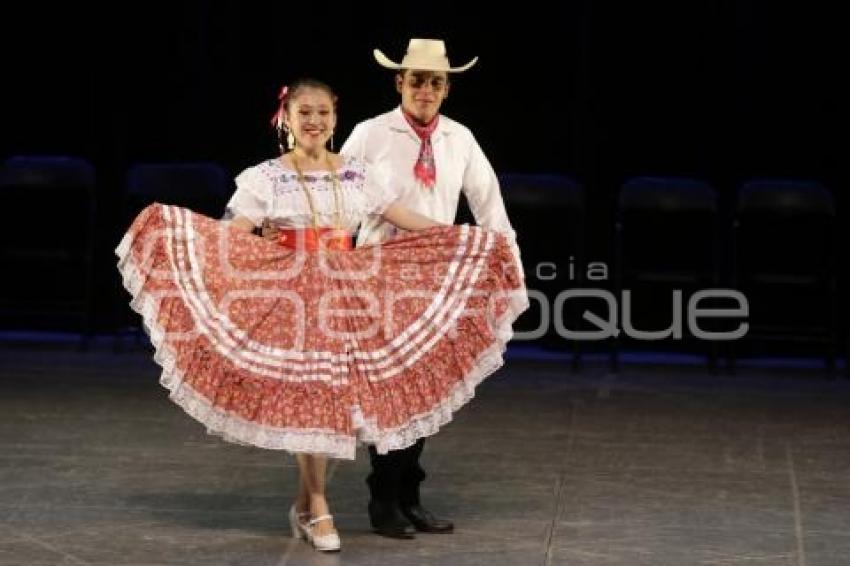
271 191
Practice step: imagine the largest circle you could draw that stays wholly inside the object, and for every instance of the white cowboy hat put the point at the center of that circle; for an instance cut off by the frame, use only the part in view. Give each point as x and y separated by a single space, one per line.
423 55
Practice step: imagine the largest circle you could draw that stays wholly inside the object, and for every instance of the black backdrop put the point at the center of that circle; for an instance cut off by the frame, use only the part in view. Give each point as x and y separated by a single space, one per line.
601 91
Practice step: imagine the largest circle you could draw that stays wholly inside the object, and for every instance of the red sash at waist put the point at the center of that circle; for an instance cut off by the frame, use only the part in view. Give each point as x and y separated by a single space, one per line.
311 239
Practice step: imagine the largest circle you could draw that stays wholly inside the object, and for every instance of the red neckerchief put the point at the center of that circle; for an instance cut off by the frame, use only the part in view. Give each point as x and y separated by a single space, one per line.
425 169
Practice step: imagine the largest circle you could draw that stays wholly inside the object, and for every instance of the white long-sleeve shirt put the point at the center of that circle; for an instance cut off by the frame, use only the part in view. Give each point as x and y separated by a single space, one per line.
390 147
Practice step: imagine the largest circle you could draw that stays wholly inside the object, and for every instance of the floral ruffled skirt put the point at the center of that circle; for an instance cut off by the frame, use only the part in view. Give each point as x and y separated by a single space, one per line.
317 351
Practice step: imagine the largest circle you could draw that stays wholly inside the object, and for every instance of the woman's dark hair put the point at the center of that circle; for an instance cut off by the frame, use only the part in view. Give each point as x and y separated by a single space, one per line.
306 82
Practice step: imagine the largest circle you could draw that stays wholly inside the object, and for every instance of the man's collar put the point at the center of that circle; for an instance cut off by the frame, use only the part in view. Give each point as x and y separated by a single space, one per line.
399 123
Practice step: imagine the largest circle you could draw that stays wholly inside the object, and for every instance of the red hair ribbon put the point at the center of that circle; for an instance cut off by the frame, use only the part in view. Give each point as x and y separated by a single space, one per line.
277 117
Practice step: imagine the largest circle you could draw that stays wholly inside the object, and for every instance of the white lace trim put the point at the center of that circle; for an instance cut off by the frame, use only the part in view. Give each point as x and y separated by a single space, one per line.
430 422
218 422
237 430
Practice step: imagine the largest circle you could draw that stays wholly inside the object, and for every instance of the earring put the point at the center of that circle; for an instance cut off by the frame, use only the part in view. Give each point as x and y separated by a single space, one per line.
280 140
332 142
290 140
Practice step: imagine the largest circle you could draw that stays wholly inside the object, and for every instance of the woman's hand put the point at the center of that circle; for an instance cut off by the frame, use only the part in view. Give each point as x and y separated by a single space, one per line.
243 224
269 231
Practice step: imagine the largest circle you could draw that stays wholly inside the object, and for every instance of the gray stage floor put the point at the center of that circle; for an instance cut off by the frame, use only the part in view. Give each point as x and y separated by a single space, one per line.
658 466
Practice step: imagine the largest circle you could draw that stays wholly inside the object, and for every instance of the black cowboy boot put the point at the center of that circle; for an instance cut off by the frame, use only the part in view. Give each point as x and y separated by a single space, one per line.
384 513
411 507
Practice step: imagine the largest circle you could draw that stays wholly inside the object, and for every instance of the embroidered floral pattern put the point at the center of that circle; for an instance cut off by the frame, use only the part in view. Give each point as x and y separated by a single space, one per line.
350 171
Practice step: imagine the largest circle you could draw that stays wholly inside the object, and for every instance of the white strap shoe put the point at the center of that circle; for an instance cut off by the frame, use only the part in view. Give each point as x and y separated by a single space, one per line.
325 543
298 523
